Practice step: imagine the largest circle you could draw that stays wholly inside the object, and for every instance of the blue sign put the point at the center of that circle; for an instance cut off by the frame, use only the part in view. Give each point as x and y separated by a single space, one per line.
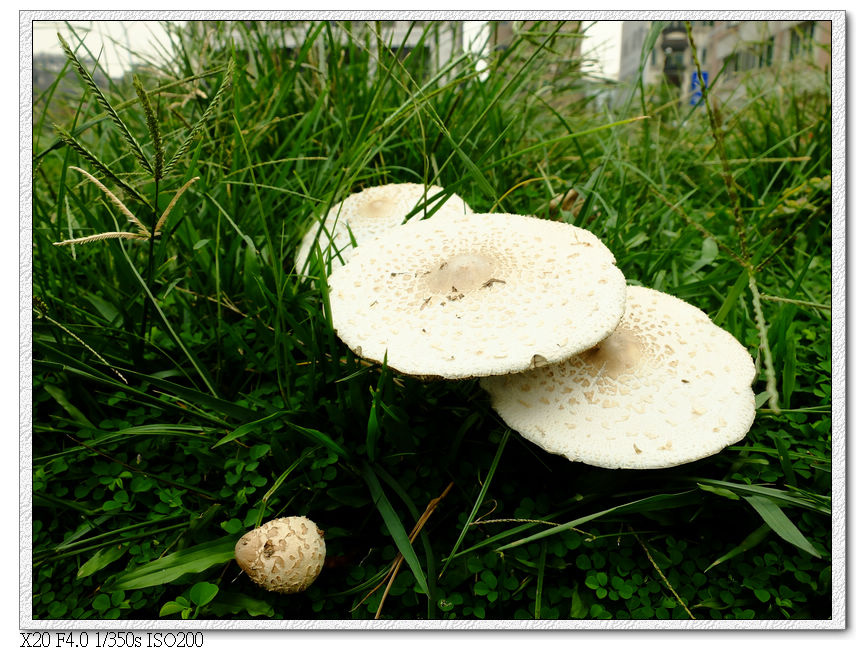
696 90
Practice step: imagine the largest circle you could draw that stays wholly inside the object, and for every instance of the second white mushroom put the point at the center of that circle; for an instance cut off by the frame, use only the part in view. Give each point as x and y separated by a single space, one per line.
667 387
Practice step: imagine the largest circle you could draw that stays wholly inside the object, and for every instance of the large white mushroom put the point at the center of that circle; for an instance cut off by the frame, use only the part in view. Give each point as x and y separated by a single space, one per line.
368 213
667 387
477 295
283 555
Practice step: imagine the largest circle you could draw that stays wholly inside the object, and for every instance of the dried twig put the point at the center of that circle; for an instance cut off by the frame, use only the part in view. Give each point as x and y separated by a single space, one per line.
397 562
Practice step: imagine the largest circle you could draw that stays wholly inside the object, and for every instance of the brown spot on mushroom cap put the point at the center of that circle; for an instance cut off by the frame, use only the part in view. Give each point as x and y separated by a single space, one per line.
667 373
284 555
375 209
460 272
617 354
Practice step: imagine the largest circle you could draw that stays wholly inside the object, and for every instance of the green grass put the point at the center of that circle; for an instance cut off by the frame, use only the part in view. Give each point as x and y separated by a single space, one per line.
188 386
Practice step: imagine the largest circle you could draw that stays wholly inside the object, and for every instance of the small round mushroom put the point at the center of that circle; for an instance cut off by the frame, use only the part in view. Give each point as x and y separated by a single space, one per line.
667 387
367 214
477 295
283 555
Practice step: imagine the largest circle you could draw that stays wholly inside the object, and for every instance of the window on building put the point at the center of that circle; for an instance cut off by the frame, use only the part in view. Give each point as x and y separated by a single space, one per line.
731 62
674 61
767 52
754 55
748 60
802 39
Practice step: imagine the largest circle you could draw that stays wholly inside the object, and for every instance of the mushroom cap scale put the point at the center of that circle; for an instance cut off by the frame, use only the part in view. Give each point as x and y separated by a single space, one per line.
283 555
666 388
477 295
369 213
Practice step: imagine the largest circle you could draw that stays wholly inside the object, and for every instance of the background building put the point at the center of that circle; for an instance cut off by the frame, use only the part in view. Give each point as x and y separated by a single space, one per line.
729 52
427 47
338 41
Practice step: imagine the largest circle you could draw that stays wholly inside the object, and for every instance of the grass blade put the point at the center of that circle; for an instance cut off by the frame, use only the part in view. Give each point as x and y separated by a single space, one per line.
322 438
373 426
746 545
539 592
649 504
196 397
280 480
731 299
198 367
490 473
394 526
100 560
193 560
787 497
243 429
781 524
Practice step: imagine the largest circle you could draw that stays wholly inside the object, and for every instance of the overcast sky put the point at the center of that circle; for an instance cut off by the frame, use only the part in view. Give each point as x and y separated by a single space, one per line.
603 43
115 38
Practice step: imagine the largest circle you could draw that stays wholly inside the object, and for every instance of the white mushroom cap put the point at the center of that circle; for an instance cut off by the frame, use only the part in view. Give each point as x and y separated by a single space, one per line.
478 295
284 555
667 387
367 214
